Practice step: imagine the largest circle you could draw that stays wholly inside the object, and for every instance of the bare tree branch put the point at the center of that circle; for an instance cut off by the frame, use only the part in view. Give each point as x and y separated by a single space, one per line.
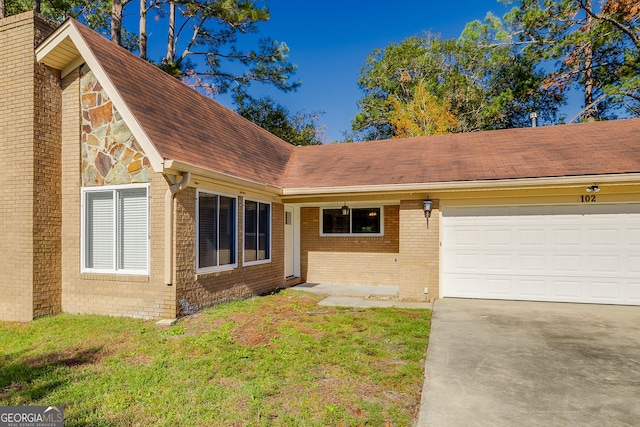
589 107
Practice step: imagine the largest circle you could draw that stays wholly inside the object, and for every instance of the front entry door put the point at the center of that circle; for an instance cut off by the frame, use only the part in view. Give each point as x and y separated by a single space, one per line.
289 242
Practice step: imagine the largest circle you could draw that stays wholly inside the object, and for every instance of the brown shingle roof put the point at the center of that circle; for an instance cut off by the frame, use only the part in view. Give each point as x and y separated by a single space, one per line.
551 151
185 125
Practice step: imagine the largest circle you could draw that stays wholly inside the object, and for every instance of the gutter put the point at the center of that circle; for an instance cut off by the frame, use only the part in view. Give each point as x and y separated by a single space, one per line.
169 198
465 186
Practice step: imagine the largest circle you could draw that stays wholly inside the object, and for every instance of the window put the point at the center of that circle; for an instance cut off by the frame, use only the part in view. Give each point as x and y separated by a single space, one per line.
216 232
361 221
257 231
116 230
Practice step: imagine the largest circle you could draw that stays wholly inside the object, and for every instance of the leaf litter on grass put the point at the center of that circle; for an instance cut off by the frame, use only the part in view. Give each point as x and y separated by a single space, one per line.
276 360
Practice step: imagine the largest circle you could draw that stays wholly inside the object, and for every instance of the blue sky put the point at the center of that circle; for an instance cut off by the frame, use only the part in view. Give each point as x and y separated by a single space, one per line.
330 40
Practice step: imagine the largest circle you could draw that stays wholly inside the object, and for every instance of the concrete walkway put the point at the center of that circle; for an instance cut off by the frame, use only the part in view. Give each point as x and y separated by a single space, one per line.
360 296
511 363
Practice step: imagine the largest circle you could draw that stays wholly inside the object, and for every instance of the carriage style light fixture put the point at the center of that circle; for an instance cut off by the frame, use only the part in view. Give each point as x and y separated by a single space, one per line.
345 210
427 205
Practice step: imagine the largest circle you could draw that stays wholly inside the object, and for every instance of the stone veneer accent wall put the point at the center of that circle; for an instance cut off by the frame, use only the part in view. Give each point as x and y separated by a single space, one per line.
109 294
110 153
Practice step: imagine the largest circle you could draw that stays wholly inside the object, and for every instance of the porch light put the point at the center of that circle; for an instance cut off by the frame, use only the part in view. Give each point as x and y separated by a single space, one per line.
593 188
427 205
345 210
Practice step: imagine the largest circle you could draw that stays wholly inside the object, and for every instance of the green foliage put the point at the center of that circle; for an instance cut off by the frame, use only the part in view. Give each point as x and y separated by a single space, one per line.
486 84
208 31
298 129
271 361
593 46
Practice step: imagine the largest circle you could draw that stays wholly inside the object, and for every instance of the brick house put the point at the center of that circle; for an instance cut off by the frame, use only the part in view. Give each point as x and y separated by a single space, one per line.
128 193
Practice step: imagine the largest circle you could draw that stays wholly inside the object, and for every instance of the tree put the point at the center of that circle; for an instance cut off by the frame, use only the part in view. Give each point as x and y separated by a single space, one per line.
423 115
208 31
595 48
297 129
485 83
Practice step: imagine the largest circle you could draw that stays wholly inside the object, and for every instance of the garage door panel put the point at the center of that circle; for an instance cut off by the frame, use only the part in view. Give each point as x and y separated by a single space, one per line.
465 262
604 263
570 237
497 263
633 292
531 288
532 237
499 287
498 237
585 253
633 237
605 291
604 237
633 263
531 263
566 264
563 289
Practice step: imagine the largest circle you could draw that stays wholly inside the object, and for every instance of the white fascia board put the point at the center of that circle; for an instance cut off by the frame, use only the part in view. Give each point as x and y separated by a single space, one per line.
173 166
482 185
69 30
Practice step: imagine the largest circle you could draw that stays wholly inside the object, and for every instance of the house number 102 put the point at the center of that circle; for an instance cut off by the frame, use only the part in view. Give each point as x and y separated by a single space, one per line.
588 198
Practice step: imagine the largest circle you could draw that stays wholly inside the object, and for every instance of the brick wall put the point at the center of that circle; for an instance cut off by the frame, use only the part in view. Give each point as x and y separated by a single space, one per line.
29 167
419 251
349 259
407 256
109 294
196 291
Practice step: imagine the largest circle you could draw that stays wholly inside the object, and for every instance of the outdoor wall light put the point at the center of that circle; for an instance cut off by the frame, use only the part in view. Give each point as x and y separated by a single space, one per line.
593 188
426 206
345 210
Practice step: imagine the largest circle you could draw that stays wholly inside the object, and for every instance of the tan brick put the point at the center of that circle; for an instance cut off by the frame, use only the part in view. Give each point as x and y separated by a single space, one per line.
29 165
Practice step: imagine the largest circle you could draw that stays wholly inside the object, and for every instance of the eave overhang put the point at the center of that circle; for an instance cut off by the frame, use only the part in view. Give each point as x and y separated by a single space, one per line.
464 186
65 50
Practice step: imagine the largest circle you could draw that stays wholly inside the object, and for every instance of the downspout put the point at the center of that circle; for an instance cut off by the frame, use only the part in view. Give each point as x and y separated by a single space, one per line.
168 226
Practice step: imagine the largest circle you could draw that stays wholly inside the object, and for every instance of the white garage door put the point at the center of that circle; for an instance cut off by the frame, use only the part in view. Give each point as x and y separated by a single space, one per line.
585 253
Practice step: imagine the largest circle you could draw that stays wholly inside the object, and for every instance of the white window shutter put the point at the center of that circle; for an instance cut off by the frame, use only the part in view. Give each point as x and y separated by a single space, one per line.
100 231
133 229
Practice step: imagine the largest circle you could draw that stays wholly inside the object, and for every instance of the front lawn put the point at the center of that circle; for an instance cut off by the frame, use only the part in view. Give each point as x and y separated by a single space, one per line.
278 360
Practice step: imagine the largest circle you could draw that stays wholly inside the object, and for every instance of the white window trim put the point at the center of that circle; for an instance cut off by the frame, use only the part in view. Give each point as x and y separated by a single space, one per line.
83 230
225 267
260 261
350 234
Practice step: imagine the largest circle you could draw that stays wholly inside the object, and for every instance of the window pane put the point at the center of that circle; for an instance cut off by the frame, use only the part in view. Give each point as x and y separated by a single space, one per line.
250 231
227 238
366 220
264 232
334 222
133 229
99 228
207 230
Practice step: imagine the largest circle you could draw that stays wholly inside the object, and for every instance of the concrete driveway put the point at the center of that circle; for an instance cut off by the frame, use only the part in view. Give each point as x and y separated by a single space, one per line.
507 363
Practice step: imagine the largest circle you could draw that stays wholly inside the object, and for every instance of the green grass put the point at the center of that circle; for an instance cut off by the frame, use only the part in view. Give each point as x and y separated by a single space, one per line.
278 360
